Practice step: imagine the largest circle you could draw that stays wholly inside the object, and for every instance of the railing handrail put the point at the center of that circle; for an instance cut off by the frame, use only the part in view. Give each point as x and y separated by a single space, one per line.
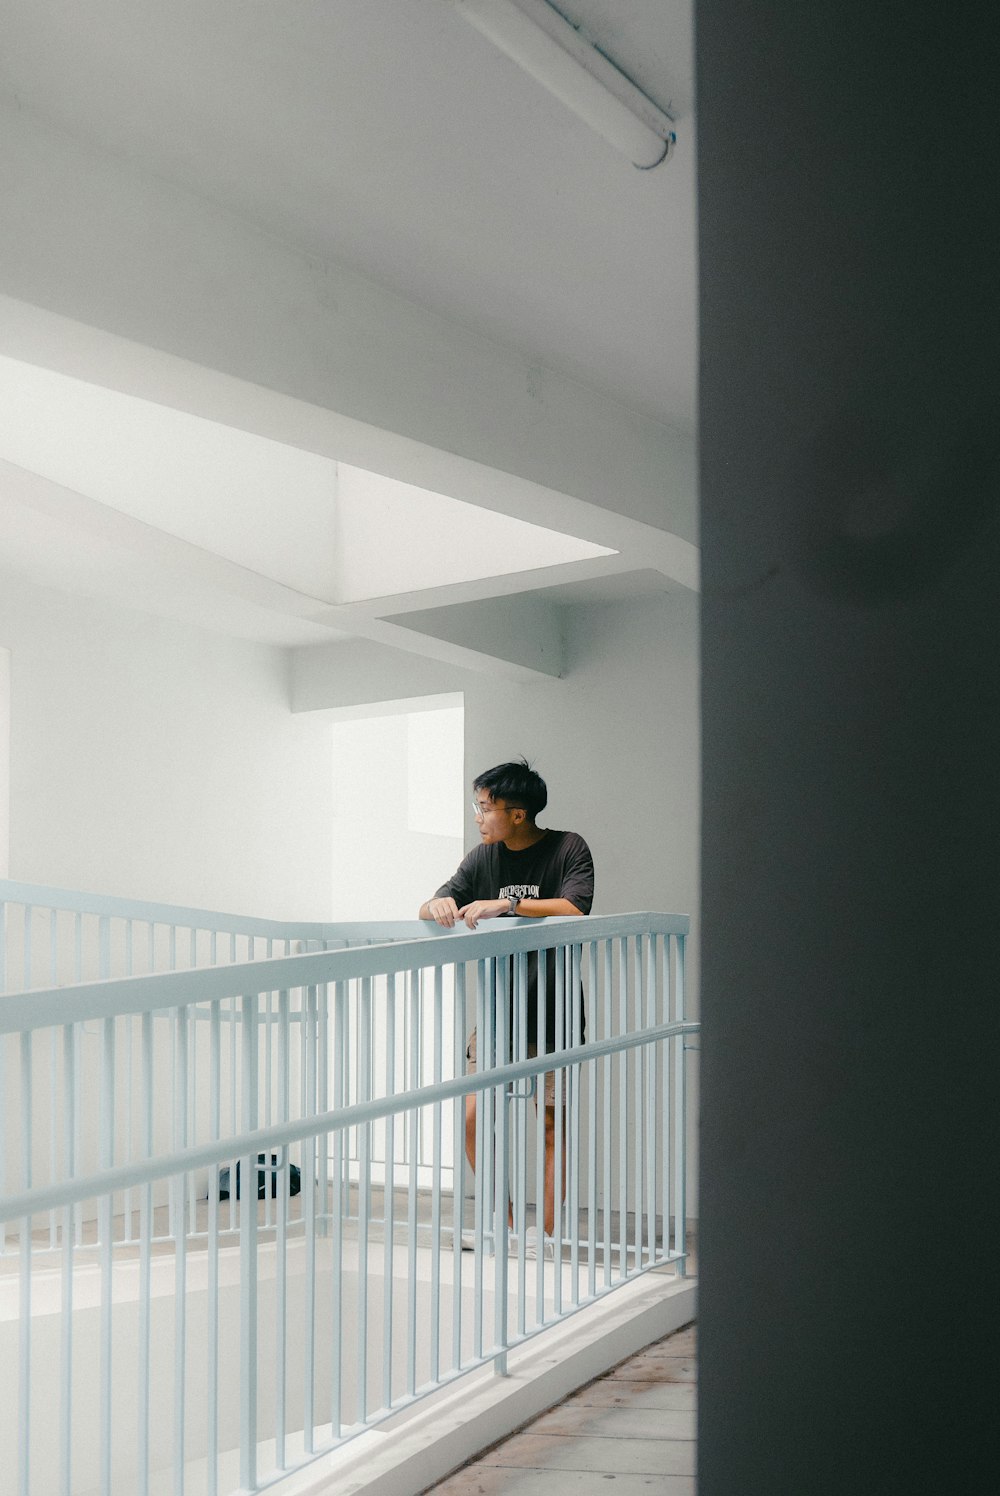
283 1134
75 901
118 996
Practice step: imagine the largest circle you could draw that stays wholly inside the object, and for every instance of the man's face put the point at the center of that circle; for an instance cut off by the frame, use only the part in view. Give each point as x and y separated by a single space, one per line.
494 820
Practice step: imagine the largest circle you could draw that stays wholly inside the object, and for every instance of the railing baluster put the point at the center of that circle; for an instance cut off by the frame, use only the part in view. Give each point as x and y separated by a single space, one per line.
413 995
234 1090
638 1214
25 1325
592 1130
127 1204
77 1108
24 1359
53 947
310 1187
435 1348
104 1218
26 948
178 1229
337 1209
145 1255
69 1034
6 1055
56 1099
663 1016
606 1111
180 1328
248 1252
574 1078
145 1338
458 1168
520 1145
680 1120
389 1195
563 998
191 1017
212 1278
623 1110
281 1266
649 1065
364 1190
545 966
265 1018
501 1175
323 1096
484 1053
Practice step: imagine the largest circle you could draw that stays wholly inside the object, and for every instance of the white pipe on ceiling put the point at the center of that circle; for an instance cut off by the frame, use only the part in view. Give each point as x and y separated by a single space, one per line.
542 42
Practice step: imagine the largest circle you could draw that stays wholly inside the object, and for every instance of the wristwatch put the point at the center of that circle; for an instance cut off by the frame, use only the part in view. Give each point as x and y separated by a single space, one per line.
512 903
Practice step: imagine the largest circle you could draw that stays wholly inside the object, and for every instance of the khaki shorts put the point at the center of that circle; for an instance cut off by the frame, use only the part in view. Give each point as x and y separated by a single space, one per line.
549 1078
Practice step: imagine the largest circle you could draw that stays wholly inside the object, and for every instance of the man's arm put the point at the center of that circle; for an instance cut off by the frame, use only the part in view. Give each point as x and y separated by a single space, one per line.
531 908
441 911
545 908
444 911
577 882
443 907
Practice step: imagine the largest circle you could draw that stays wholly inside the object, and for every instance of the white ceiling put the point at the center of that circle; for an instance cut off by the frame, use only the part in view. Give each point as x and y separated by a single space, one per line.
392 136
389 136
328 530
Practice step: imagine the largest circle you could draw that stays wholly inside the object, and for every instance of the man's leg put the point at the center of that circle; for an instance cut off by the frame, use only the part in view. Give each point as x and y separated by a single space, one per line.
470 1131
470 1117
550 1166
470 1102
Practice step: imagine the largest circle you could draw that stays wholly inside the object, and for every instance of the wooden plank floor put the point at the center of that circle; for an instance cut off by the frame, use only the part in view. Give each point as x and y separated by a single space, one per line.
632 1431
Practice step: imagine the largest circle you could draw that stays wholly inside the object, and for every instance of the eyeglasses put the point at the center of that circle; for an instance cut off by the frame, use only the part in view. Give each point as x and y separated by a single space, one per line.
482 811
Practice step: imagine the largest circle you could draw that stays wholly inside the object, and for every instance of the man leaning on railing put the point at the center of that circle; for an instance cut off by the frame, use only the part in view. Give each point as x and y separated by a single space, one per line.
520 868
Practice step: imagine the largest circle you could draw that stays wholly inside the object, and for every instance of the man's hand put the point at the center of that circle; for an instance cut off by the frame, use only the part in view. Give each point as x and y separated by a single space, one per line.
442 911
482 909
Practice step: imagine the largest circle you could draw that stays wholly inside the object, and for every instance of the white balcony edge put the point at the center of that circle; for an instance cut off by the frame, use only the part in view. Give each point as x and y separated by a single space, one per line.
426 1442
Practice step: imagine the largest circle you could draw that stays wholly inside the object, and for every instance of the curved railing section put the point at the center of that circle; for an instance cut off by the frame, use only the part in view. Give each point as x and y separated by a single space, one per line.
53 937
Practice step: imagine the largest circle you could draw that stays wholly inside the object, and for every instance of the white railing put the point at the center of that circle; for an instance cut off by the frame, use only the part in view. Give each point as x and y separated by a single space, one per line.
168 1339
173 1075
52 937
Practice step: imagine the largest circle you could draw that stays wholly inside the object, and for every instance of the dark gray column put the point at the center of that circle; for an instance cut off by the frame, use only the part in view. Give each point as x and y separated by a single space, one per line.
850 1267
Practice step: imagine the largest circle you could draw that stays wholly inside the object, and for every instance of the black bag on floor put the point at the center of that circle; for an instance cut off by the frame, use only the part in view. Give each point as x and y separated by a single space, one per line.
263 1170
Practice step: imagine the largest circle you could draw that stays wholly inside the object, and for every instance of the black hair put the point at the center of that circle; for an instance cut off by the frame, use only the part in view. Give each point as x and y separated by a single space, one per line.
517 785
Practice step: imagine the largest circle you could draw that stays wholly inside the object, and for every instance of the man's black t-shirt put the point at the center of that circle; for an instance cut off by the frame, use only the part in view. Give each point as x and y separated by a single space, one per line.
557 866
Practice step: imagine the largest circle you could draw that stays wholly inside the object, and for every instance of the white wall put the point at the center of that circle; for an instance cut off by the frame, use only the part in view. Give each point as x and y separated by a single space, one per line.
398 786
154 760
616 742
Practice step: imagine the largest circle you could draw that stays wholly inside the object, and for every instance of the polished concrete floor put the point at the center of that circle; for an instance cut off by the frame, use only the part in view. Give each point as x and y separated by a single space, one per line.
631 1431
